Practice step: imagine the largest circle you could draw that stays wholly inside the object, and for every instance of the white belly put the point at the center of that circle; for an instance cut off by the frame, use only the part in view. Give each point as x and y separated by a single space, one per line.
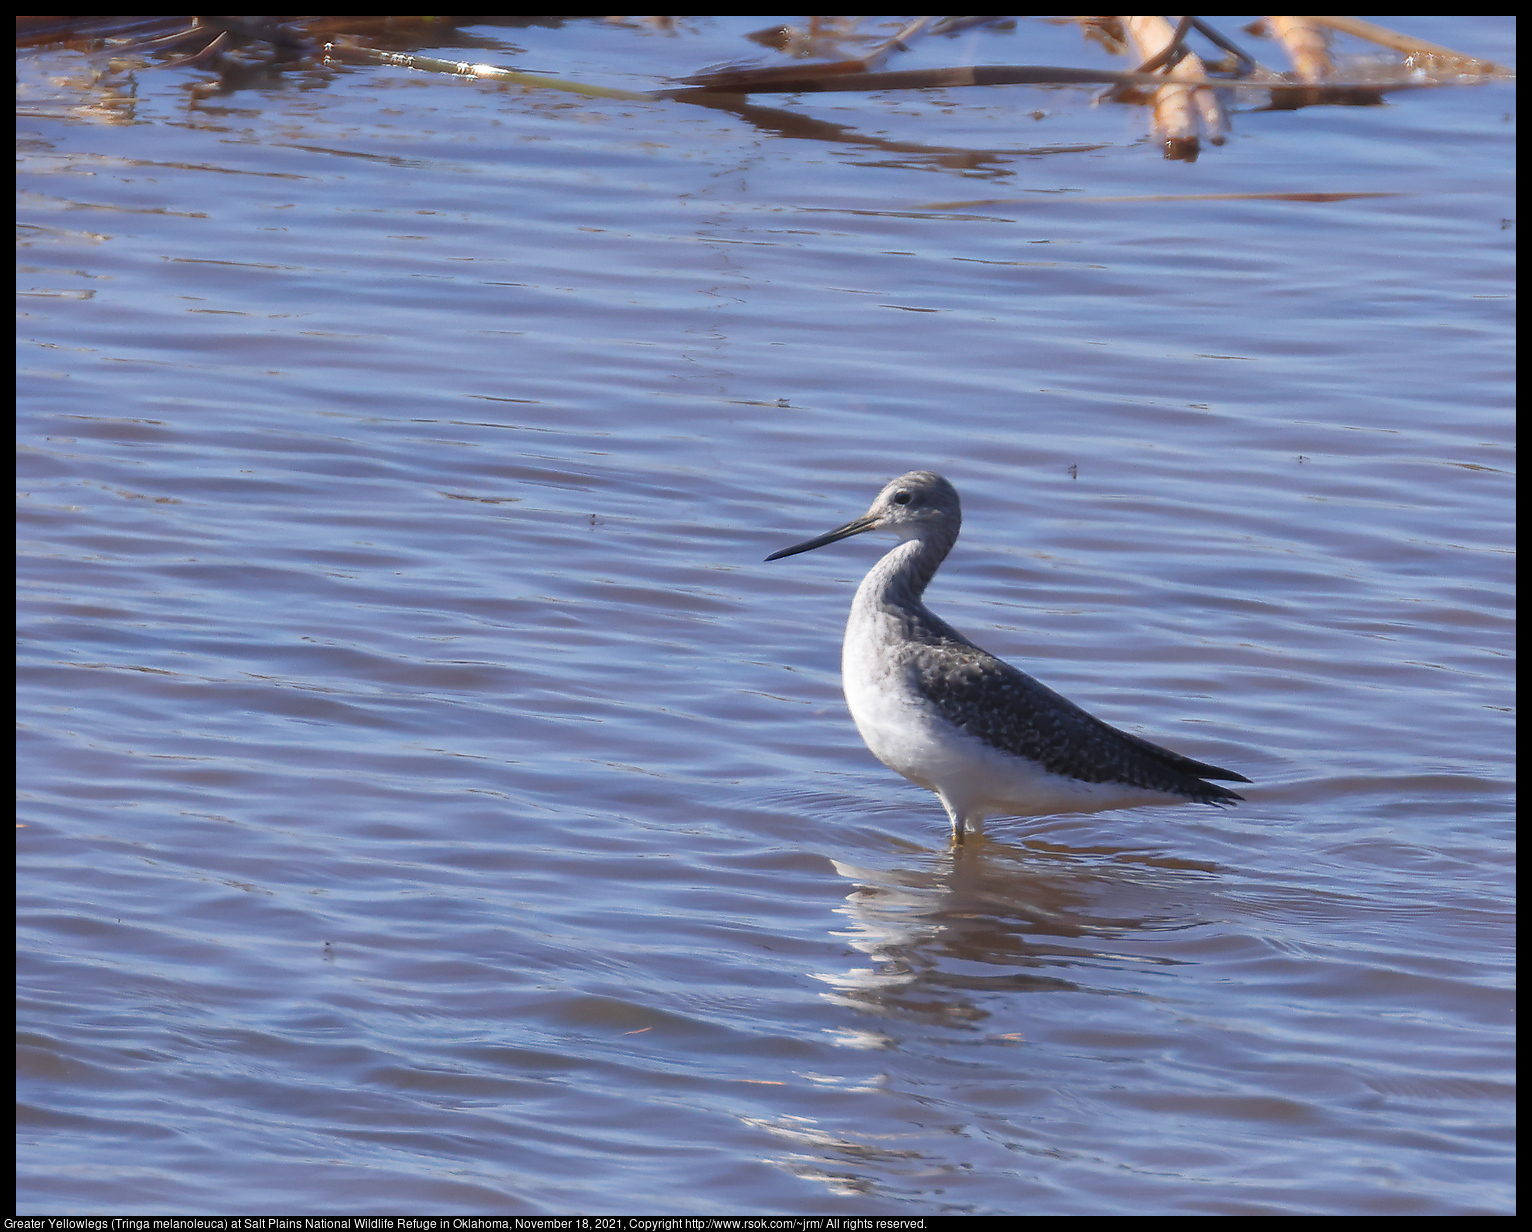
974 780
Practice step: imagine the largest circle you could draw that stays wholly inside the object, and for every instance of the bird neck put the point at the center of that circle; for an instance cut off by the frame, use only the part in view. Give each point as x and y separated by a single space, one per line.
901 577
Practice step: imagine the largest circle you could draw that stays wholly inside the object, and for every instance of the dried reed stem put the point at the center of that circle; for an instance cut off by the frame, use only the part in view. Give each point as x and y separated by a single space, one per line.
1182 113
1408 44
1306 43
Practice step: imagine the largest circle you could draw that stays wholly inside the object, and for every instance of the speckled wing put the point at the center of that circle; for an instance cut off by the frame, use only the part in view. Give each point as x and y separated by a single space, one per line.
988 698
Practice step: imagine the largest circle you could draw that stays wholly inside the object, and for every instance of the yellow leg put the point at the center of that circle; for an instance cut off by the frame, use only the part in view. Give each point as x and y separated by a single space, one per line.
962 824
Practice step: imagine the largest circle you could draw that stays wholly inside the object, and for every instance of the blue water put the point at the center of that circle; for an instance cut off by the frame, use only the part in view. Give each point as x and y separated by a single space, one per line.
432 802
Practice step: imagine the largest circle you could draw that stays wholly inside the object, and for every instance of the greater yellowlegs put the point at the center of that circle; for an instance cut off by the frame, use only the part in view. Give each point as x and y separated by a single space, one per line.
987 739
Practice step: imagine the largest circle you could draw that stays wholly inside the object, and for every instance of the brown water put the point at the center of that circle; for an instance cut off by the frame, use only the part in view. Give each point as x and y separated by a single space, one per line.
433 803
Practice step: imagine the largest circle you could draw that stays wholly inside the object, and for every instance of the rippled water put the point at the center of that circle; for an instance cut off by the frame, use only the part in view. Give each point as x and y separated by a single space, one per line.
432 802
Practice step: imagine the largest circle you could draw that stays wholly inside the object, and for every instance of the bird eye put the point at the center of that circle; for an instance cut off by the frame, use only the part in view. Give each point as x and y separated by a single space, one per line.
901 498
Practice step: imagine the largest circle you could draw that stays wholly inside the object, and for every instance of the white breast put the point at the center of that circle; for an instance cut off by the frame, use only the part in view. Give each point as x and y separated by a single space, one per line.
907 733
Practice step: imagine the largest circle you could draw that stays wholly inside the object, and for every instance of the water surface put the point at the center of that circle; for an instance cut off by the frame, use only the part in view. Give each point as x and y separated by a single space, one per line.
432 802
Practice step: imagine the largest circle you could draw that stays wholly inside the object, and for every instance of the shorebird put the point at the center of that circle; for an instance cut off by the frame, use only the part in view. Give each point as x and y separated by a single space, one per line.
986 738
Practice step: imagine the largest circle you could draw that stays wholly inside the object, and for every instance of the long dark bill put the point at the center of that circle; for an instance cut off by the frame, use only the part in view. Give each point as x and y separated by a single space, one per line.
866 522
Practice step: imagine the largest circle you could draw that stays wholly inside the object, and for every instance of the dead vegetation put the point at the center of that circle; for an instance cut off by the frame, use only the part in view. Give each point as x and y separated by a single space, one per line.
1189 89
